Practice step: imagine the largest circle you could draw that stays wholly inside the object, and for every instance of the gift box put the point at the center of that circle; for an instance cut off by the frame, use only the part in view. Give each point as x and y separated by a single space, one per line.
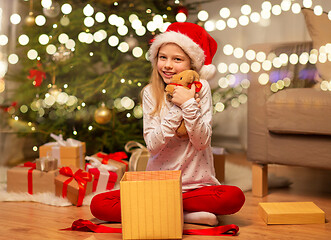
291 213
74 184
139 156
151 205
69 152
115 160
104 175
46 164
26 178
219 163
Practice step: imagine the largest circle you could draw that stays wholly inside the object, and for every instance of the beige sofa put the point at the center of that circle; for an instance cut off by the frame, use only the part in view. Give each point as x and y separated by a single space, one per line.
291 126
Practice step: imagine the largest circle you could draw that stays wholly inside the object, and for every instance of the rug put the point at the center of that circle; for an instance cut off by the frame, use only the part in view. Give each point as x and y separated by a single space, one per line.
235 174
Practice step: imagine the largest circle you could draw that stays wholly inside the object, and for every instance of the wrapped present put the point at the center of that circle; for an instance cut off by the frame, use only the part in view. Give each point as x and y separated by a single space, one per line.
69 152
151 205
74 184
26 178
46 164
105 176
139 156
116 160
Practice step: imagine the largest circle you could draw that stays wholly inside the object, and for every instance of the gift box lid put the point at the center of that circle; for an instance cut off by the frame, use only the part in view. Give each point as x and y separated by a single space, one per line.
65 151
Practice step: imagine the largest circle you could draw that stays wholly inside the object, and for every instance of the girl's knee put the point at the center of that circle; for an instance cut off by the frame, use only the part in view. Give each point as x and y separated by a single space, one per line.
96 205
231 199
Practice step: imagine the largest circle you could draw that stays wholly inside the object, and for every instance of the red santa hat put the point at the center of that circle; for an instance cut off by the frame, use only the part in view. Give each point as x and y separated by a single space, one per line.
196 43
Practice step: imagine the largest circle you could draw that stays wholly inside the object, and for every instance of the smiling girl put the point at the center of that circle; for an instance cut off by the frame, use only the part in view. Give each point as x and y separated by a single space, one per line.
182 46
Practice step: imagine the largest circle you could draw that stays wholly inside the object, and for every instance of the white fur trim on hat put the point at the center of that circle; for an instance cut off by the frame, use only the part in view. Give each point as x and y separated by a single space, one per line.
207 72
192 49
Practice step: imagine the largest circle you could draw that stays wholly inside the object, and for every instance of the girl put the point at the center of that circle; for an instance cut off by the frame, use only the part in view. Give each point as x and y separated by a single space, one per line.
183 46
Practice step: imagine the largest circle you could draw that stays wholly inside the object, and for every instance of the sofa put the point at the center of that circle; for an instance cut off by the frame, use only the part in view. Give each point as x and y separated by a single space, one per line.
291 126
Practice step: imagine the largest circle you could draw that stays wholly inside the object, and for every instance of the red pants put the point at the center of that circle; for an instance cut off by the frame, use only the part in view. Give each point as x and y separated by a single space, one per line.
220 200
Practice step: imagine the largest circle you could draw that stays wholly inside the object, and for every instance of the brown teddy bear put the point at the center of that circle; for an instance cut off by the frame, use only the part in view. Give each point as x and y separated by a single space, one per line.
186 79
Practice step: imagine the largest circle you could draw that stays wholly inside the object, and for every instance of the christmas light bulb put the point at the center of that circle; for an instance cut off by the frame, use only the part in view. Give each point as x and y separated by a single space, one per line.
66 8
88 10
15 18
32 54
13 58
46 3
23 39
100 17
40 20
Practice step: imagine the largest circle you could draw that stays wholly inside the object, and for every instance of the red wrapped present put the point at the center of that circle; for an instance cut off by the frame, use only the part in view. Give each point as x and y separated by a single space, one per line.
116 160
74 184
105 176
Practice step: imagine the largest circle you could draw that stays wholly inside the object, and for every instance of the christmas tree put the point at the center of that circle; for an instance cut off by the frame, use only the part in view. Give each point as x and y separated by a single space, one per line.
83 67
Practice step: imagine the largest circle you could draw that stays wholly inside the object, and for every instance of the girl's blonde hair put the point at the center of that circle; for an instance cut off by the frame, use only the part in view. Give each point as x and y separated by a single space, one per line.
157 84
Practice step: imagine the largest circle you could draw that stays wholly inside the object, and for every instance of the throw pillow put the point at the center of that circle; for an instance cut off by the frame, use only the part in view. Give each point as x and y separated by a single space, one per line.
319 28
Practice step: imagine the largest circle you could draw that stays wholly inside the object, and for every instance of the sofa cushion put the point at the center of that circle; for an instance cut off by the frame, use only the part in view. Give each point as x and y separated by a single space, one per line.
319 28
299 111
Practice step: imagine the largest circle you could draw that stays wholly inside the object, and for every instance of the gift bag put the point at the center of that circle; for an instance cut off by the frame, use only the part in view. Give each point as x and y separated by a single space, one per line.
139 156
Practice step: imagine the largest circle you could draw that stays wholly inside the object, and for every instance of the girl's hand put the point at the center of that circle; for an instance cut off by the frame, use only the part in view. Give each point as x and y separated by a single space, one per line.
182 94
197 99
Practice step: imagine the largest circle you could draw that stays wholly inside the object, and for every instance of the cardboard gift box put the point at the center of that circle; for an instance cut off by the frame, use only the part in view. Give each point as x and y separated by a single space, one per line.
151 205
139 156
28 179
219 163
74 184
115 160
46 164
105 176
291 213
66 155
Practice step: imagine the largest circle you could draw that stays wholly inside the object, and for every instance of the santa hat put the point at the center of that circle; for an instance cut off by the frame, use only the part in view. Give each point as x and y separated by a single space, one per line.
195 42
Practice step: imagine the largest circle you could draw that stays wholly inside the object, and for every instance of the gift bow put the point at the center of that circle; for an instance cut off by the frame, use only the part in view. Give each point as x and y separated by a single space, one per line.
88 226
95 163
32 167
81 177
117 156
198 85
70 142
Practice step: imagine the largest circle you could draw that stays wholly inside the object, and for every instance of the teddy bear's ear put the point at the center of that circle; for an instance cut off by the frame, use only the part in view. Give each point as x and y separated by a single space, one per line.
196 76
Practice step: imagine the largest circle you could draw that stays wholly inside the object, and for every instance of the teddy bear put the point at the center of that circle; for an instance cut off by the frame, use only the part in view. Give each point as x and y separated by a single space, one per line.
186 79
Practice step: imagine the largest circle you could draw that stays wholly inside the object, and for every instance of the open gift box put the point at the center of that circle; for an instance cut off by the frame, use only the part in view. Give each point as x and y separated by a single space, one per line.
151 205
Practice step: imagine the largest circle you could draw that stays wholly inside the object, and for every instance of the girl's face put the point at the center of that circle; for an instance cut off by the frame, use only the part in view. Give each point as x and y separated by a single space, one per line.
172 60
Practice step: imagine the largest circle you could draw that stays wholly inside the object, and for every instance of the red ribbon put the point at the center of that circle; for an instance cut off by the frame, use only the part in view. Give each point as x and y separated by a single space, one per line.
96 173
88 226
198 85
81 177
117 156
32 167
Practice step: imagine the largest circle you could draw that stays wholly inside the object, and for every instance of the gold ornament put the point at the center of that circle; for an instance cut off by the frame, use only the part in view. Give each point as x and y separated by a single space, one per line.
30 20
102 115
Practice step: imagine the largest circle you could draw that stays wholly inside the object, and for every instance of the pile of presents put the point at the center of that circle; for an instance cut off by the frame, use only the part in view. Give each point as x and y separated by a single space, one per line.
63 169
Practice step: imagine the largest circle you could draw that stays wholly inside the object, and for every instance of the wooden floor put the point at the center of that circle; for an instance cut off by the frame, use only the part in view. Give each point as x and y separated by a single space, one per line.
21 220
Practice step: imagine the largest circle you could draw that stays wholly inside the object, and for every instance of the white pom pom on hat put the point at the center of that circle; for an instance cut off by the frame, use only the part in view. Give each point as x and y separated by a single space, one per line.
196 43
